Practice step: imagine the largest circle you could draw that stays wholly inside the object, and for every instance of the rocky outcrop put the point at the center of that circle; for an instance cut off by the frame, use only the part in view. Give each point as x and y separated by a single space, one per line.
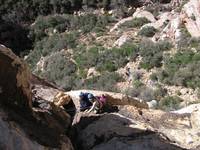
172 29
142 13
191 12
116 132
180 128
113 99
14 81
141 129
24 125
162 19
173 22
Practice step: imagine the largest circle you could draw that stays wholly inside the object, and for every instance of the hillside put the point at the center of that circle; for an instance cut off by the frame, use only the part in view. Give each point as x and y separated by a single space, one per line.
144 55
92 49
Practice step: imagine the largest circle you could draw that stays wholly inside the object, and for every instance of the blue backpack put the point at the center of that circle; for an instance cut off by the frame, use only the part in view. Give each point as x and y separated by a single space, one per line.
84 101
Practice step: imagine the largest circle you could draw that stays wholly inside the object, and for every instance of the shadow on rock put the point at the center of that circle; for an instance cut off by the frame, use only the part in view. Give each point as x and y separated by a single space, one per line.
114 132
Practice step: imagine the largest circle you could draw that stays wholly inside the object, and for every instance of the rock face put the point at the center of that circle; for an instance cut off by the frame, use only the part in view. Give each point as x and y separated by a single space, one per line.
142 129
188 17
142 13
14 81
191 12
23 126
116 132
177 127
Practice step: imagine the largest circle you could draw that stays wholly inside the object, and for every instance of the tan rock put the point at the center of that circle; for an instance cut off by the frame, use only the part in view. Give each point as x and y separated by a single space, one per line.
181 127
143 13
14 83
92 72
192 18
120 22
122 40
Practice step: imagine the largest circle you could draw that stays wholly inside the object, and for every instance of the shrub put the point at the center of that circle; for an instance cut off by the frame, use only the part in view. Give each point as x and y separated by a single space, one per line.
51 44
170 103
137 84
58 68
106 82
148 31
185 38
135 23
153 77
106 59
145 93
152 53
182 69
85 23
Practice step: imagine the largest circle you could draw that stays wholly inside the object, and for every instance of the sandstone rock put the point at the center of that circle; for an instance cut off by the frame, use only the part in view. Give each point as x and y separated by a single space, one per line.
122 40
22 126
171 31
176 127
115 132
14 81
152 104
12 137
92 72
192 17
120 22
41 64
142 13
163 18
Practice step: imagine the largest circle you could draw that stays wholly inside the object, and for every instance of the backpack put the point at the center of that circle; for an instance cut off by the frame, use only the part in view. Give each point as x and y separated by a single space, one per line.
101 100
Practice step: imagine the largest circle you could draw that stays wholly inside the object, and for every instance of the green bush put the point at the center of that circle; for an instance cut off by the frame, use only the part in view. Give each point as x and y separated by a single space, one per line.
185 38
106 59
137 84
136 23
51 44
152 53
148 31
145 93
181 69
86 23
170 103
58 68
105 82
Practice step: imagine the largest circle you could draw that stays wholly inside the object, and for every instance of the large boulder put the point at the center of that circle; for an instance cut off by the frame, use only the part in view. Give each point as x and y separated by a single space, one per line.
14 83
143 13
23 126
191 10
181 127
116 132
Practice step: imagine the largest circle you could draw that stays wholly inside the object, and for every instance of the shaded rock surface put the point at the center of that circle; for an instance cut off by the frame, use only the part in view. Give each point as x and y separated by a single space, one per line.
14 81
115 132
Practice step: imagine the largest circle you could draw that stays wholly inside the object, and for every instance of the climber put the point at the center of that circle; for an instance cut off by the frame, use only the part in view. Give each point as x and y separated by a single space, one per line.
84 101
97 103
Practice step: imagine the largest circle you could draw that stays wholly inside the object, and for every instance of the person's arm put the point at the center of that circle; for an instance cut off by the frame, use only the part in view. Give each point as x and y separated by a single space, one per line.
93 106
